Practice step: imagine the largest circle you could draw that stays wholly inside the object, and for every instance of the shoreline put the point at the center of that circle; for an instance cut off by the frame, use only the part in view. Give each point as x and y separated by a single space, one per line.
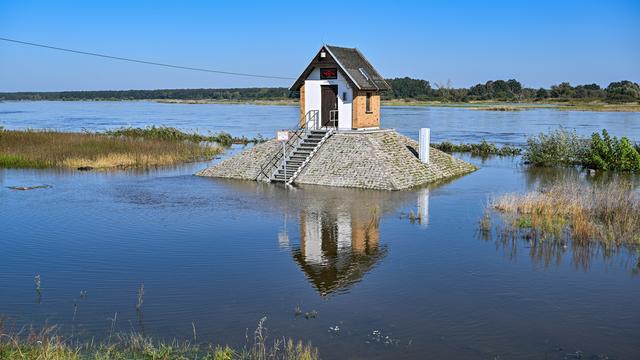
473 105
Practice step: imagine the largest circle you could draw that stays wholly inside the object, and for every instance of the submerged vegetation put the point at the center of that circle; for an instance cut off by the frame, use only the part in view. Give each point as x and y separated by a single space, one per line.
45 149
48 344
483 149
607 214
566 148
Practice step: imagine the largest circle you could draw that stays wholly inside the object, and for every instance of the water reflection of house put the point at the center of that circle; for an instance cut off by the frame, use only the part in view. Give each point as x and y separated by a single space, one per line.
337 249
339 237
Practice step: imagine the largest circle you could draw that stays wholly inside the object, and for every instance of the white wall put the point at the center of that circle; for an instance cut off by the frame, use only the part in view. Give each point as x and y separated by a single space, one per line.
312 95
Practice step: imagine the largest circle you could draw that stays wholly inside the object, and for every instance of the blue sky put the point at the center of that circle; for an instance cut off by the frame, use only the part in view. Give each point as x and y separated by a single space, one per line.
539 43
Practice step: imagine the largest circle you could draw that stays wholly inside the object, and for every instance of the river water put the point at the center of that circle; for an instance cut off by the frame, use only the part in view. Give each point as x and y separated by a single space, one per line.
218 255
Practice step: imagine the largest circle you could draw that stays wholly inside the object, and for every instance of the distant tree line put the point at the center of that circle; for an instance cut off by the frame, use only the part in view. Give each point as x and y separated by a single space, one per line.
401 88
177 94
511 90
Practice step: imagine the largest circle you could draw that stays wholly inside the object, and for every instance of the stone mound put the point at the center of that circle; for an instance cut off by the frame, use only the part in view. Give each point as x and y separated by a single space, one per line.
381 159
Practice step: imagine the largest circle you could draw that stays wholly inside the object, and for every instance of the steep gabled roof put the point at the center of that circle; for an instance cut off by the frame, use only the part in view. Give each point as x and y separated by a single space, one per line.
356 68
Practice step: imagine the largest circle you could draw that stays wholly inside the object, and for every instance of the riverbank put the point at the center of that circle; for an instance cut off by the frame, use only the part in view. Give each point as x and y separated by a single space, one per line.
48 344
515 106
474 105
597 106
86 151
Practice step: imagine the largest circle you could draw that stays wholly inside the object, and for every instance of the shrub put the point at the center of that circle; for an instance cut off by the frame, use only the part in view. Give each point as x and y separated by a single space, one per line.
560 147
606 153
483 149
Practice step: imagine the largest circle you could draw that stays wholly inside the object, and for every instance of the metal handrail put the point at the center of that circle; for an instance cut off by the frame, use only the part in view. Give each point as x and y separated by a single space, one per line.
333 118
296 135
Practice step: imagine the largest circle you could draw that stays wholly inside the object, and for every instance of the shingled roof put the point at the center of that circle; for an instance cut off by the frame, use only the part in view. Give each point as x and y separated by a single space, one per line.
356 68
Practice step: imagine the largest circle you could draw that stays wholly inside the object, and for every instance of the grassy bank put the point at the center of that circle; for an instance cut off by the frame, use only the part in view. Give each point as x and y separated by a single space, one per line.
571 210
53 149
289 102
47 344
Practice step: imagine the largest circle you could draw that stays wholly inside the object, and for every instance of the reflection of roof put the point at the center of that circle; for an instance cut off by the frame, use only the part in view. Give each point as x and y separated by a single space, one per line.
354 65
340 271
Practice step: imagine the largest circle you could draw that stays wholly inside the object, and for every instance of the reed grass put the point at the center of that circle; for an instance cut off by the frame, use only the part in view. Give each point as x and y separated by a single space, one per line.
173 134
607 214
46 149
47 343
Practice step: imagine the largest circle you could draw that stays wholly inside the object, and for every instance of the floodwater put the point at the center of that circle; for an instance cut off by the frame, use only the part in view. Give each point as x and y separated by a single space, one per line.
218 255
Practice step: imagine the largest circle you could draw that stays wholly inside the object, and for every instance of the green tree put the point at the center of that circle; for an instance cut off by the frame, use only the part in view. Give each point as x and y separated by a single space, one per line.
623 91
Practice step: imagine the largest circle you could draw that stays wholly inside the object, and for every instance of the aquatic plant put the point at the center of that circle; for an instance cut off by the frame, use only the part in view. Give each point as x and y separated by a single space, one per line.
560 147
606 153
483 149
172 134
485 225
38 282
45 148
566 148
140 297
571 210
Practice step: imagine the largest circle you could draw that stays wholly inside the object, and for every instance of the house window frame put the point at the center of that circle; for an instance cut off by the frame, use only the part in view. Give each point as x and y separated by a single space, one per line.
367 102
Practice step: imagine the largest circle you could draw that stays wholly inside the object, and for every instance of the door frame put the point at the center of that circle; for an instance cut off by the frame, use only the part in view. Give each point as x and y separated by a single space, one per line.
322 105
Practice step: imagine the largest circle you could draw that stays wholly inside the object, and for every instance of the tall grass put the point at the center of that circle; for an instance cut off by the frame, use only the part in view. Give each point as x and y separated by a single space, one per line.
44 148
48 344
607 214
173 134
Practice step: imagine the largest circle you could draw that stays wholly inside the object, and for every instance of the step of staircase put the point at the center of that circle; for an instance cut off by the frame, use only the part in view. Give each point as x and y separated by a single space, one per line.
300 155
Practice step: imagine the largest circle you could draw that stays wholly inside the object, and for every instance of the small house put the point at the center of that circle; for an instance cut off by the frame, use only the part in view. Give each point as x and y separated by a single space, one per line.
340 89
338 141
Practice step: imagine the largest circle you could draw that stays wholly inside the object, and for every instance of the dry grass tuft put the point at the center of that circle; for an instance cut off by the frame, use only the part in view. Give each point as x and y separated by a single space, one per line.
607 214
43 149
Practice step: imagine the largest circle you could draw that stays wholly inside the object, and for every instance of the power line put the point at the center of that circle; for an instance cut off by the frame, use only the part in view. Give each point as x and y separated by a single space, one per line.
146 62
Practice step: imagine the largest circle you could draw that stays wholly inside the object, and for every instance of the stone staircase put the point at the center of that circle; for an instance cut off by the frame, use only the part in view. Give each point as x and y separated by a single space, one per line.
300 155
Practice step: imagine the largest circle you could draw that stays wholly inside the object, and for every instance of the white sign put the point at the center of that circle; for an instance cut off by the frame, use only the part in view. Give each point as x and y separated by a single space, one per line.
283 135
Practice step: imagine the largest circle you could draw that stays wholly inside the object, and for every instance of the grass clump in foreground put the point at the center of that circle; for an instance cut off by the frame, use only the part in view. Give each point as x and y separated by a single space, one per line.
47 344
607 214
45 149
483 149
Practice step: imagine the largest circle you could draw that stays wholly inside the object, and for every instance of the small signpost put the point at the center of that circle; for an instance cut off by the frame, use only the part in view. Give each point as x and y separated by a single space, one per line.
425 139
283 137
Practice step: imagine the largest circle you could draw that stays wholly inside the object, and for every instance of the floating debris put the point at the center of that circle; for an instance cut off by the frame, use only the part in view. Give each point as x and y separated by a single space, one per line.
575 355
297 311
29 187
378 336
311 314
334 329
38 282
83 294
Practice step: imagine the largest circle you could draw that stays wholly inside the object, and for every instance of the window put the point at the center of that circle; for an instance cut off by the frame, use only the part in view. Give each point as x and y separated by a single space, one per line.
344 96
368 103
